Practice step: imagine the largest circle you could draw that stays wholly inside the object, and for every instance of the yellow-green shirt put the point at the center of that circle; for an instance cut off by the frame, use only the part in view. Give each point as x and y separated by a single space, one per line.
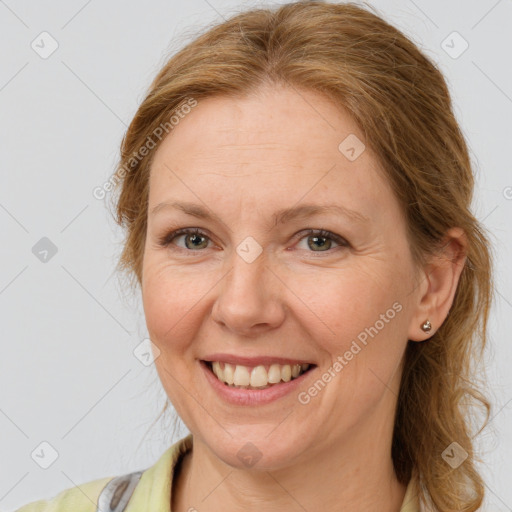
151 493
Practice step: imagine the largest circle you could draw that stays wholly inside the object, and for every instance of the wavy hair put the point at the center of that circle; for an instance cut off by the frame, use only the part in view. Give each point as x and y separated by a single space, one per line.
401 102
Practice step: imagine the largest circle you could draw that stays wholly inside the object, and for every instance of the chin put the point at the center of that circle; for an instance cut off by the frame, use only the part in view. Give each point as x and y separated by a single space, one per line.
253 448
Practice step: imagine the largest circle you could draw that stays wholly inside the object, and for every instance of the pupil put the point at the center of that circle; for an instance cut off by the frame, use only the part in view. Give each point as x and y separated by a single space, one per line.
195 238
316 238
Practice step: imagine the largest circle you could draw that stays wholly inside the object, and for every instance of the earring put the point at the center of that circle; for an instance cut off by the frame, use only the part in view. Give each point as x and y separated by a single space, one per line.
427 326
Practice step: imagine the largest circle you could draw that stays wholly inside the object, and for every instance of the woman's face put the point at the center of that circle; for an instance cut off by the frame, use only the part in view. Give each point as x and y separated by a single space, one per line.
254 287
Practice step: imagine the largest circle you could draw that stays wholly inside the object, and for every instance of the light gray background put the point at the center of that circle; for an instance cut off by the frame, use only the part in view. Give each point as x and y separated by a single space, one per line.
68 375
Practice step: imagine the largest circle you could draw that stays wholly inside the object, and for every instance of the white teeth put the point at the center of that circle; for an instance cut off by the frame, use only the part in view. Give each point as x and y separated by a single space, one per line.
257 377
241 376
217 370
229 374
274 374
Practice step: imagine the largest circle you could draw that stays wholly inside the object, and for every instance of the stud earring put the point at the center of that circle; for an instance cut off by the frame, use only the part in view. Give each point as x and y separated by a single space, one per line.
427 326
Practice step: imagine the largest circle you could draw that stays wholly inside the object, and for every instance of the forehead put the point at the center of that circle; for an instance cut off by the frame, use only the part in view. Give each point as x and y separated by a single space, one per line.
270 118
277 145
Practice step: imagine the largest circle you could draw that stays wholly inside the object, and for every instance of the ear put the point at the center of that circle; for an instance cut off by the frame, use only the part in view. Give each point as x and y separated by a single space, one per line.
438 285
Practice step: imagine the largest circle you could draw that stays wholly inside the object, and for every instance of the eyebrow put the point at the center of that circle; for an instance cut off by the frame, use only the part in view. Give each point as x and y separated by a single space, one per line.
281 216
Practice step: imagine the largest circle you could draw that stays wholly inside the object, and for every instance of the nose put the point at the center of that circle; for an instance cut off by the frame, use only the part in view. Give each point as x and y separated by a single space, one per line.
249 300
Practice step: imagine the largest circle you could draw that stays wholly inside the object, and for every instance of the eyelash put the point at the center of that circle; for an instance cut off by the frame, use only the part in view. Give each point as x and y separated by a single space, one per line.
166 240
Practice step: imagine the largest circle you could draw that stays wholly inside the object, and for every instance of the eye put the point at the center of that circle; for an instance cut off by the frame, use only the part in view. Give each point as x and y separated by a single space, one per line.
321 239
193 237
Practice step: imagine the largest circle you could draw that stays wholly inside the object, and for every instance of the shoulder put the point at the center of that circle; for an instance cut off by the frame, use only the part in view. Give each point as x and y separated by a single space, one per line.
140 490
81 498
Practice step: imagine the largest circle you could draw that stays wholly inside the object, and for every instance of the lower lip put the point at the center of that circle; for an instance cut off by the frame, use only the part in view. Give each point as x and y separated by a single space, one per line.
240 396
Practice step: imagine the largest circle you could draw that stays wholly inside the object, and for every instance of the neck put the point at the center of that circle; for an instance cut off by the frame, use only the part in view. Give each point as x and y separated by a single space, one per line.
354 474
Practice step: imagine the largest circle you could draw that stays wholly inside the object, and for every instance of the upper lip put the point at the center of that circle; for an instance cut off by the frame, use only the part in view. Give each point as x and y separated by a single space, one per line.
253 361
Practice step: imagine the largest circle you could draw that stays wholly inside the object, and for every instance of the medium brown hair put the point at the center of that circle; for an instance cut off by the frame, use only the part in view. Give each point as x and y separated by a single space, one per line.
401 102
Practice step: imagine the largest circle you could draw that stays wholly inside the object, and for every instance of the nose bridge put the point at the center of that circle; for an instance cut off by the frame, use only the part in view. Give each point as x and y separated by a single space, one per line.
248 295
247 278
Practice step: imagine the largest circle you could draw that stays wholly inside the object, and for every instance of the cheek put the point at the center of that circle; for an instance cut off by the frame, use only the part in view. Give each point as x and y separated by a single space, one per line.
171 306
350 301
367 323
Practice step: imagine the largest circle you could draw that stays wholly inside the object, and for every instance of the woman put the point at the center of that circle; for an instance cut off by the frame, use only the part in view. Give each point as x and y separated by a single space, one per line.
296 193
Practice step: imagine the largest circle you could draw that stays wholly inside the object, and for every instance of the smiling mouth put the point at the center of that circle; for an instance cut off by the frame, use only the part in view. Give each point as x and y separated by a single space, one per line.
257 377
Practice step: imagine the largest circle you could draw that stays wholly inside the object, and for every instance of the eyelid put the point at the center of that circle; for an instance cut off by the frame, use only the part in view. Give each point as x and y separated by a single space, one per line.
323 233
167 238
